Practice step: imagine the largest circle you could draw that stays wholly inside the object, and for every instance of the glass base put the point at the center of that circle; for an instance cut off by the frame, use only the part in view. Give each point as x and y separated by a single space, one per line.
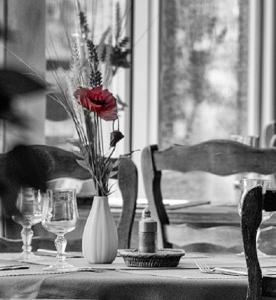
27 256
61 266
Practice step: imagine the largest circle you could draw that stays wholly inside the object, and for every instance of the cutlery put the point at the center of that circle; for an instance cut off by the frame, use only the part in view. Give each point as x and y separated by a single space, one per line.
16 267
212 270
46 252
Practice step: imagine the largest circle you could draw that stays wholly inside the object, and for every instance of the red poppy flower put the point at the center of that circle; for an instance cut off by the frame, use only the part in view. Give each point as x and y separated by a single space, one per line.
98 100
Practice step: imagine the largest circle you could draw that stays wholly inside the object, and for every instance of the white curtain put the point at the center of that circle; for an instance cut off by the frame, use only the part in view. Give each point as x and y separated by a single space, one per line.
261 87
268 62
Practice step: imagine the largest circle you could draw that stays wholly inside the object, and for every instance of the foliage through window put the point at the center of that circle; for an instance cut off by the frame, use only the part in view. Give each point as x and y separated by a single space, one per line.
203 80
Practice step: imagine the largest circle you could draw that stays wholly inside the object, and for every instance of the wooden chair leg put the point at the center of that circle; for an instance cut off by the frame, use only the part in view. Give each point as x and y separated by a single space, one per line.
250 222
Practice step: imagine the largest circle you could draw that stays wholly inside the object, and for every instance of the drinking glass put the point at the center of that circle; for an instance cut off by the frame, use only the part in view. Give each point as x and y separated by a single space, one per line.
250 140
247 184
59 216
29 204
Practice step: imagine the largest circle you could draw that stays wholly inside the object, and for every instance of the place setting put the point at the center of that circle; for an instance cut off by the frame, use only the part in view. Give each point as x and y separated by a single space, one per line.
57 211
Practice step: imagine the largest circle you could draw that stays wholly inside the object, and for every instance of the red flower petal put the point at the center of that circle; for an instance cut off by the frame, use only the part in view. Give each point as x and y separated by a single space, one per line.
100 101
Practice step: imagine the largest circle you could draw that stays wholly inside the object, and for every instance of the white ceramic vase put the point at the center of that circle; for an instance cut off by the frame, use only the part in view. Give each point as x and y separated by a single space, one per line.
100 236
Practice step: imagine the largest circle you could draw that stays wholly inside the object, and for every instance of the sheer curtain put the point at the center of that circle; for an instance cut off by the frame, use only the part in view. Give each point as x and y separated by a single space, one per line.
261 87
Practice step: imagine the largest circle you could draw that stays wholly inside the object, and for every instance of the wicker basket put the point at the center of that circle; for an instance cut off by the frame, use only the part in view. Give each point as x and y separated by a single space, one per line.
165 258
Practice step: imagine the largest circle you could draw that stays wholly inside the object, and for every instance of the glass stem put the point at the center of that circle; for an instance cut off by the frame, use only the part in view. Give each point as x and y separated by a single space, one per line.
60 243
26 235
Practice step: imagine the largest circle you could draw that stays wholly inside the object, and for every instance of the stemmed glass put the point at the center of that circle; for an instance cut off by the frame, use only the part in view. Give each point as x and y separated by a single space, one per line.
29 204
250 140
246 185
59 216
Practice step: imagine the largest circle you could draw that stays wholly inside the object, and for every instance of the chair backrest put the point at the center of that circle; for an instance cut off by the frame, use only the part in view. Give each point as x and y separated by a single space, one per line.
65 165
269 135
220 157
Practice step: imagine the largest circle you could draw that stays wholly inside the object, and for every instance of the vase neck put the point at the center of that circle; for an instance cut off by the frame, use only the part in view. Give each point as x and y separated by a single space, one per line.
100 201
100 198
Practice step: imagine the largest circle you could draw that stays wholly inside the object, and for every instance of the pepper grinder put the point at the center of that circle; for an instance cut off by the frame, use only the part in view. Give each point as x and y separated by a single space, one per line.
147 233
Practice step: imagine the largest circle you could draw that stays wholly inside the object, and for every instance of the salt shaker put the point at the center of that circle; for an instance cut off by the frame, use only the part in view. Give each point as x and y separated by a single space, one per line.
147 233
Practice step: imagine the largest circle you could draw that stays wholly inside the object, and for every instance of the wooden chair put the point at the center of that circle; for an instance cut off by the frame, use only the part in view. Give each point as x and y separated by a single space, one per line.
65 165
220 157
259 287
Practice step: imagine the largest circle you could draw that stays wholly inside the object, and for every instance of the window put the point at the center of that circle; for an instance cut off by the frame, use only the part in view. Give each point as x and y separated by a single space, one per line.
203 56
206 27
28 52
243 30
203 83
61 21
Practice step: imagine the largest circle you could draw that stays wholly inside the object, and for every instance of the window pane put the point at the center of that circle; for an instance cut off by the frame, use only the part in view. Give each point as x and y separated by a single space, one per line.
203 90
61 22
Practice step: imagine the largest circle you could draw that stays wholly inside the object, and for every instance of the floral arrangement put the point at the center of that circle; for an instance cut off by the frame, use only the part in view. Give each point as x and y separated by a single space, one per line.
89 102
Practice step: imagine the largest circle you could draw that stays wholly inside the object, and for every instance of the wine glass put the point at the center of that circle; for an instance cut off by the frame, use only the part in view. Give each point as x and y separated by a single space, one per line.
247 184
59 216
29 204
252 141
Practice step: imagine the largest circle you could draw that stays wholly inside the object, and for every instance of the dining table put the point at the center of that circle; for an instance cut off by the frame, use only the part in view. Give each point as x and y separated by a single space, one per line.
118 281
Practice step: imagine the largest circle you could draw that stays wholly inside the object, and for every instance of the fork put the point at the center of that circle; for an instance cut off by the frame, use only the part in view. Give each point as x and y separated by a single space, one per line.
207 269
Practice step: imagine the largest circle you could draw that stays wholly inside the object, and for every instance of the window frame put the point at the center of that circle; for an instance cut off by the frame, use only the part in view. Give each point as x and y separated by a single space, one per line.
145 106
145 74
